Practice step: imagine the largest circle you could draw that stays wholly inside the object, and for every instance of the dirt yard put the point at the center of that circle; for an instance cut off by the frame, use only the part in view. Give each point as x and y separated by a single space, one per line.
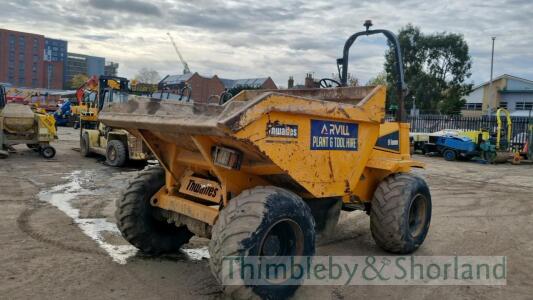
58 238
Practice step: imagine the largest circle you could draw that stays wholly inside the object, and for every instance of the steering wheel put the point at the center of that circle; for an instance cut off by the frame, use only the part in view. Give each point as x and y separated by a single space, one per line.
328 83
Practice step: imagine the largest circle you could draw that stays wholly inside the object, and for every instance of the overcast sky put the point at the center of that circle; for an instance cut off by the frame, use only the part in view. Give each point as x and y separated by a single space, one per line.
239 39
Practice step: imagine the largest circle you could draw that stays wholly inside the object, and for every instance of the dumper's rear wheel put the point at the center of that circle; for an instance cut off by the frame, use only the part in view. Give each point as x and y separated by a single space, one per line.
263 221
84 145
116 153
138 221
48 151
401 213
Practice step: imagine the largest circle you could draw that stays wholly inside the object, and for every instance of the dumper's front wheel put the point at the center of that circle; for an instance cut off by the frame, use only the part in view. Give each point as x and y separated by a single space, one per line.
116 153
138 221
400 213
261 222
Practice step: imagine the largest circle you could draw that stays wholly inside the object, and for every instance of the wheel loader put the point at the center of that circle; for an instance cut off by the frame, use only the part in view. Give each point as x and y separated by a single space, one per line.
20 124
117 145
262 174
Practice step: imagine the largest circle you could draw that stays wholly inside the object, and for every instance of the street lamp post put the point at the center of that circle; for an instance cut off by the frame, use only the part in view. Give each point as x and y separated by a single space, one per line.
491 93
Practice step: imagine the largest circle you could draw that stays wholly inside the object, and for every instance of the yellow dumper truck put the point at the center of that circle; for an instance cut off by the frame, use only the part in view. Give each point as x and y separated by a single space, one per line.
261 174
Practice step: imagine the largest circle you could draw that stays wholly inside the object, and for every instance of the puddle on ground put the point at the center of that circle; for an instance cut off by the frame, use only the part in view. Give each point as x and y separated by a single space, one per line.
63 196
197 254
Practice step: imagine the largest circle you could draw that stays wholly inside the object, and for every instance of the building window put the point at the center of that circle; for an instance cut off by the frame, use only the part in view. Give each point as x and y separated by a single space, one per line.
524 105
503 104
473 106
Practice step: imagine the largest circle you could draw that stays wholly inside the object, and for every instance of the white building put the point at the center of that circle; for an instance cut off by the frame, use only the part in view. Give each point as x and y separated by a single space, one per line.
513 93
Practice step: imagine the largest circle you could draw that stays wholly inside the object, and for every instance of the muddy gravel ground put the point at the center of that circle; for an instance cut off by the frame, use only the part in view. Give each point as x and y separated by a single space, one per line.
58 238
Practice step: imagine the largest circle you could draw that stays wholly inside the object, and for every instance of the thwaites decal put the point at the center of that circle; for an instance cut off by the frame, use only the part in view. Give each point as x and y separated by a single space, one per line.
389 141
276 129
201 188
329 135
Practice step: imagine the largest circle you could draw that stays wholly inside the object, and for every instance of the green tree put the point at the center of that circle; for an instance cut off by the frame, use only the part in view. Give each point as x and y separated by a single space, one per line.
436 67
149 76
380 79
78 80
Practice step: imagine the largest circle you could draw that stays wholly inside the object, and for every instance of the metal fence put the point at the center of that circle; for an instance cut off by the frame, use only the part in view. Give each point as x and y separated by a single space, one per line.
432 123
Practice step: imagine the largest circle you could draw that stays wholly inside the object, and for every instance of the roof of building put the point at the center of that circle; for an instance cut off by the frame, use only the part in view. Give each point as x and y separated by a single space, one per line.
251 82
72 55
176 79
507 76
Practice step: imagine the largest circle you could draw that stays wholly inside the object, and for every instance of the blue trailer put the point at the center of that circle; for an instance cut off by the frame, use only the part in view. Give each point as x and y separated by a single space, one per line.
456 147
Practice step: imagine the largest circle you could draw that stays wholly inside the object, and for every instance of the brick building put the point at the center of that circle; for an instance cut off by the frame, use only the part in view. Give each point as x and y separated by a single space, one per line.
53 74
205 87
21 58
202 87
32 60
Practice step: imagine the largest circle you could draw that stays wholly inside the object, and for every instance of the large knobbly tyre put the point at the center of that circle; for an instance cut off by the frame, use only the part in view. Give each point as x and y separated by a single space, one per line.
116 153
401 213
137 221
84 145
263 221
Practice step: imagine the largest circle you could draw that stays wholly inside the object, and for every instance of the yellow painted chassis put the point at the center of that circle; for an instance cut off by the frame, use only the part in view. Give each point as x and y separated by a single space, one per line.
182 136
99 138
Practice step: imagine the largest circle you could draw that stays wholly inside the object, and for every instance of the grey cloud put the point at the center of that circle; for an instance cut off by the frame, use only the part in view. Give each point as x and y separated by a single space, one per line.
131 6
276 37
96 37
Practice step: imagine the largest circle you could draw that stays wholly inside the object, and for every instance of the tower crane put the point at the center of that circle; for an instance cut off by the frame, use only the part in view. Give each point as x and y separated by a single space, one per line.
183 62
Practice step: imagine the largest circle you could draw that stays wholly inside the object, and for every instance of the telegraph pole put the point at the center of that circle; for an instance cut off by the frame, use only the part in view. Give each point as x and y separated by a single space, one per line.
491 93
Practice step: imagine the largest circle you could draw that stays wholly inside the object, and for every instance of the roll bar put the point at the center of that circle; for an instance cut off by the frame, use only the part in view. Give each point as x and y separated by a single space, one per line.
342 63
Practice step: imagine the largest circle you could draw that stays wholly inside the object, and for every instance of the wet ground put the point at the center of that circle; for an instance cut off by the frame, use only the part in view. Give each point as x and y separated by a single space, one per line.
58 238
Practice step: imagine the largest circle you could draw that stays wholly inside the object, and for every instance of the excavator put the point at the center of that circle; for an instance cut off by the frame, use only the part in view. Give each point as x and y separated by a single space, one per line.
117 145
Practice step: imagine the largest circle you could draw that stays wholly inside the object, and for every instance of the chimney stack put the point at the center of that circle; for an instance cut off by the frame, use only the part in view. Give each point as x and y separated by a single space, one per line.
291 82
309 81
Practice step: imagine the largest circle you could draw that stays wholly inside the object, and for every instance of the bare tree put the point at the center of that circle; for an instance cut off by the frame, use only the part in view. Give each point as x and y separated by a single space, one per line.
149 76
